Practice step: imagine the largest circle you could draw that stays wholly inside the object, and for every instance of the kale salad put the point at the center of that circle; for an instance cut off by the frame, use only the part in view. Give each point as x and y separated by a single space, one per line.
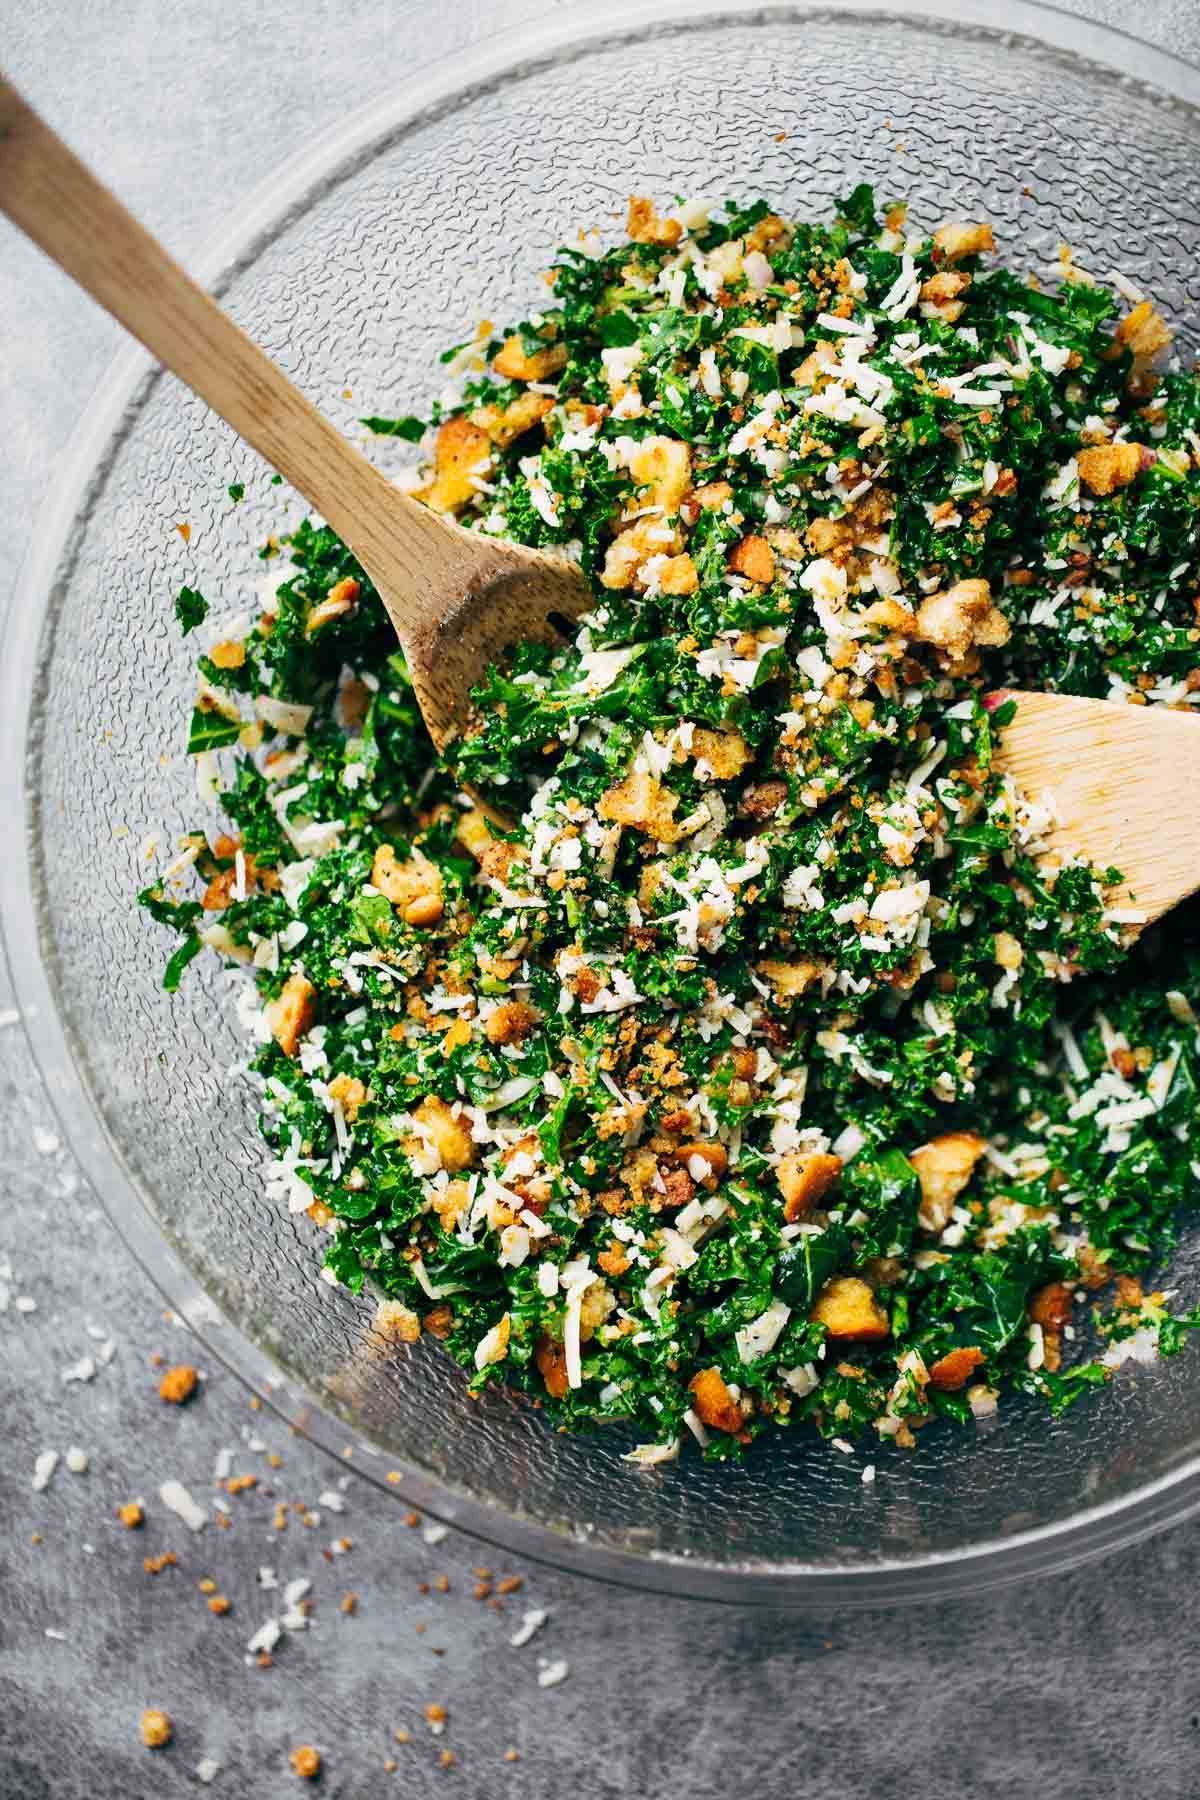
765 1070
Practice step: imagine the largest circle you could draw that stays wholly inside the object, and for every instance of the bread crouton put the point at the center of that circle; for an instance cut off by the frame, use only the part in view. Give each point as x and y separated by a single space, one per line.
291 1015
644 803
597 1303
944 1166
462 455
955 239
890 614
644 225
955 1369
712 496
395 1323
804 1179
664 466
1051 1306
450 1202
474 832
790 979
771 233
677 575
763 800
818 362
1107 467
405 882
715 1405
754 558
959 617
230 653
349 1093
849 1311
515 363
341 599
511 1022
504 425
633 547
829 537
944 291
498 859
220 891
704 1162
448 1135
551 1360
178 1384
1143 331
726 752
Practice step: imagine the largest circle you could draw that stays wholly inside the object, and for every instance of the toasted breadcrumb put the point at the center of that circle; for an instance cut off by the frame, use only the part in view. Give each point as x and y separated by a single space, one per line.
157 1729
178 1384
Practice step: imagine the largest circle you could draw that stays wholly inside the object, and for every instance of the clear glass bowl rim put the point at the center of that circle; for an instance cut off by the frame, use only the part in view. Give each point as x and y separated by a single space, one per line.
1091 1533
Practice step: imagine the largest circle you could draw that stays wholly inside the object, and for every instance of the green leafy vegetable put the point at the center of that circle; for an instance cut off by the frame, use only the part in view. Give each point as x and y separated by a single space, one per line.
211 730
409 428
191 609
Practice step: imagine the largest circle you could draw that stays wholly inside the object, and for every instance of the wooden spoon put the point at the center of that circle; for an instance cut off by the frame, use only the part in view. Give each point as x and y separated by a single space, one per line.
456 599
1124 784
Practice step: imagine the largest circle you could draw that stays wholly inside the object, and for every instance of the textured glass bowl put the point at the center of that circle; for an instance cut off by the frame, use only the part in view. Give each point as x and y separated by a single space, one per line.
354 267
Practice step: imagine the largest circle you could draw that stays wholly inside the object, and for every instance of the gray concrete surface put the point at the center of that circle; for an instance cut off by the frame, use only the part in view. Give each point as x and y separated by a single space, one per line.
1086 1683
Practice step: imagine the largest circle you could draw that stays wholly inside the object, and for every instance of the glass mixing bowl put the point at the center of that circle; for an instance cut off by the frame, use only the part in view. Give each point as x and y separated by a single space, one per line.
354 267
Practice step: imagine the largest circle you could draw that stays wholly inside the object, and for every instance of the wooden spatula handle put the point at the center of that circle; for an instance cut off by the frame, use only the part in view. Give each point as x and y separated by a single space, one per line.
59 203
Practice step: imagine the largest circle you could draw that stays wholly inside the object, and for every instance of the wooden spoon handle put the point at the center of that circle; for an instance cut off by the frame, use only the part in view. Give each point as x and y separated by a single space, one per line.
58 202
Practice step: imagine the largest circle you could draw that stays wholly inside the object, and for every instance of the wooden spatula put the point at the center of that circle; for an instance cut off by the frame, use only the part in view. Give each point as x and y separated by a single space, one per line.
456 599
1124 783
